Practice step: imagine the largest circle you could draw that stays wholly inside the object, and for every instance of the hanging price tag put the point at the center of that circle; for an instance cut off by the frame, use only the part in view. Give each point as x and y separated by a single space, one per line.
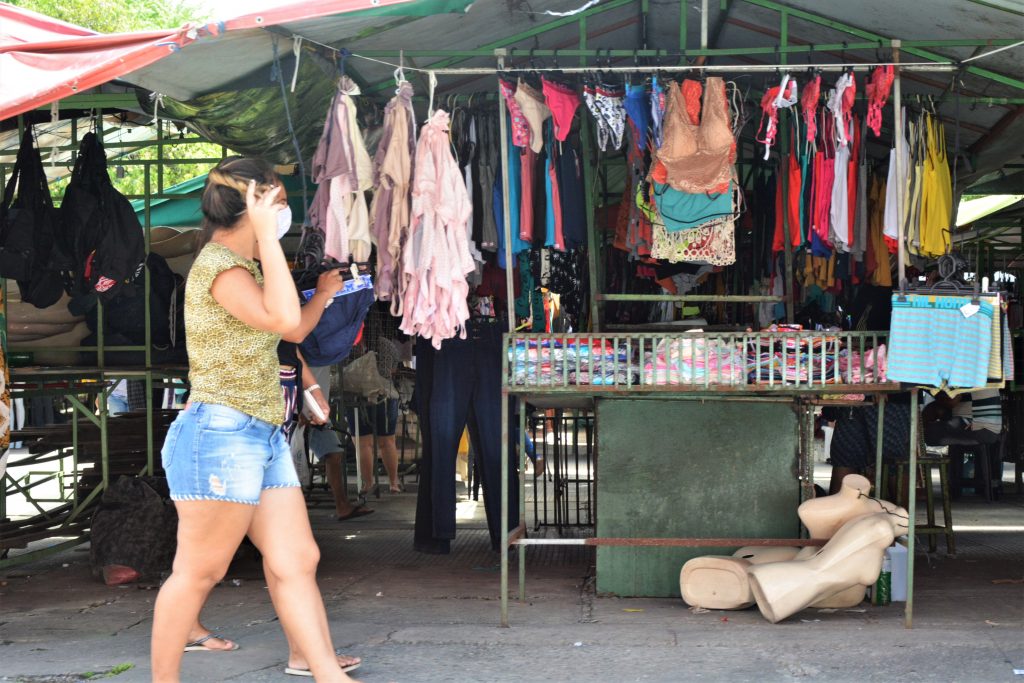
969 309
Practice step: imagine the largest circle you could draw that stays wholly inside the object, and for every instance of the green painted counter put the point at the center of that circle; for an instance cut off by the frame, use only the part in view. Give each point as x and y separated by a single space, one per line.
689 469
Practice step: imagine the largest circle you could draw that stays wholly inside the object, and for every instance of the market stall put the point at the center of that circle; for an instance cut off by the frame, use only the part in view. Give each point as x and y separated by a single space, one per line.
575 203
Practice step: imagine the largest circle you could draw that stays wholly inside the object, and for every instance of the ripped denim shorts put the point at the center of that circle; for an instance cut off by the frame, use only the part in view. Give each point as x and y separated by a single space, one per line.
213 452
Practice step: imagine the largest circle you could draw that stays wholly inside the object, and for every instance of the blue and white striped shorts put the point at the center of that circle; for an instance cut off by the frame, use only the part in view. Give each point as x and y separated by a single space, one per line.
932 343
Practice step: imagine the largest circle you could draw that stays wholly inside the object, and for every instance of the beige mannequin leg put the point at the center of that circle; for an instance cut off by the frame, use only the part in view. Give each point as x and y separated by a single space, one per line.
853 557
851 597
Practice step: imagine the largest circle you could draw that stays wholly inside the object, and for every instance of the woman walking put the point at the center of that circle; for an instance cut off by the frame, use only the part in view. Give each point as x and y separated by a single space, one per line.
227 462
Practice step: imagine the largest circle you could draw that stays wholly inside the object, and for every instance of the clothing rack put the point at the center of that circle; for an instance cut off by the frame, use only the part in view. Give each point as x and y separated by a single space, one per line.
802 397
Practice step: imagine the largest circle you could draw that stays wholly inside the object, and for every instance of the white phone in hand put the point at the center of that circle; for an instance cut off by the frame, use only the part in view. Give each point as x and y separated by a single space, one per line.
314 406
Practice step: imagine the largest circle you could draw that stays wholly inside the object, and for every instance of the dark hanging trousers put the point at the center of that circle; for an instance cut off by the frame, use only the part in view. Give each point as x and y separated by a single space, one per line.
459 386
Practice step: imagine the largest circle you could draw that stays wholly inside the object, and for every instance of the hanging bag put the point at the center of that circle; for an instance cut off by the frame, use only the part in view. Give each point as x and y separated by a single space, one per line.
103 234
28 230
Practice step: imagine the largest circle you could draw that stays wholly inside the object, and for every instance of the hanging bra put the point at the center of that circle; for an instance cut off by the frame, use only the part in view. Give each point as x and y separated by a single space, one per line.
657 110
809 105
878 92
698 158
531 103
605 103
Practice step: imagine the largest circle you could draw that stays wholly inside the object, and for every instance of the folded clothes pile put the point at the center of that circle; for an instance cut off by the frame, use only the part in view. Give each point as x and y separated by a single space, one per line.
571 361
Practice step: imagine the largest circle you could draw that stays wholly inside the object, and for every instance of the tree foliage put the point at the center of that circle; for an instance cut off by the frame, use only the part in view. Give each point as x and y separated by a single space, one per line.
118 16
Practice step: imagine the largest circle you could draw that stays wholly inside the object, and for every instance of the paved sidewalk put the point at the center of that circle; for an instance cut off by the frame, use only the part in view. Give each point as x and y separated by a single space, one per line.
428 618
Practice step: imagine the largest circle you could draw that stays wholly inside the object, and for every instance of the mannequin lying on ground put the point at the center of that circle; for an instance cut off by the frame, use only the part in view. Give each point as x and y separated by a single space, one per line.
723 582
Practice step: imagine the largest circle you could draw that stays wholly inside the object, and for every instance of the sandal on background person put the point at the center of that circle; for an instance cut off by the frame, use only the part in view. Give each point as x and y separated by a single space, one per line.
357 511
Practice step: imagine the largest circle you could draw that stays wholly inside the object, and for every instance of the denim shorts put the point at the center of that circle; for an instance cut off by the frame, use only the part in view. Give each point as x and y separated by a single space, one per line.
213 452
380 417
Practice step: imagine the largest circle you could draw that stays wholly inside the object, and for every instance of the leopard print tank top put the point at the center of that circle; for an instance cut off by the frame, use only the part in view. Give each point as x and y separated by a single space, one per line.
230 363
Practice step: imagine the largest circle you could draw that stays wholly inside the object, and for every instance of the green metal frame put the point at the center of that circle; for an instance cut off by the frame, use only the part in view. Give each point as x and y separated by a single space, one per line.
803 395
90 381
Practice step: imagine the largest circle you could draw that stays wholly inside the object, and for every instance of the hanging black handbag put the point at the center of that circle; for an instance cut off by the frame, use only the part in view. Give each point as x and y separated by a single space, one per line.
103 235
28 230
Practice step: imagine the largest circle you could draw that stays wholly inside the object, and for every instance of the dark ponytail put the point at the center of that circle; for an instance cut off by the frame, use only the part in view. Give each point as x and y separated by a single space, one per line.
223 200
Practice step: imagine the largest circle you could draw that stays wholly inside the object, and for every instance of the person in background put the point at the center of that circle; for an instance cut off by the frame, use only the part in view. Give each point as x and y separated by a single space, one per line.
971 419
964 420
227 463
327 446
855 439
117 400
381 418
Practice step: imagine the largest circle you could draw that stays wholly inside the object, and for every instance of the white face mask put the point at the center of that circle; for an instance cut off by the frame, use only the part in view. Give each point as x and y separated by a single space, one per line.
284 221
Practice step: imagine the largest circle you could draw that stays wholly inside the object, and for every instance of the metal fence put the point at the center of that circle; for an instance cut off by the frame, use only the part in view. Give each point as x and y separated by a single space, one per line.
563 472
756 361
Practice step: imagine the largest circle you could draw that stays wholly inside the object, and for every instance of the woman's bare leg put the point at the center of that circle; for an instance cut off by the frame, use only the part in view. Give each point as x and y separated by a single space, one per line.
208 535
280 529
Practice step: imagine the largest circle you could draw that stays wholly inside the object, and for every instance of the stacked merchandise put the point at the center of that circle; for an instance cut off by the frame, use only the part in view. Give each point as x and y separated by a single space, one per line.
795 360
554 362
770 358
694 361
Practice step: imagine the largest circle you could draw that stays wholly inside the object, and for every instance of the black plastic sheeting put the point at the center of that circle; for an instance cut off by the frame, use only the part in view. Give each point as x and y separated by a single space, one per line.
251 120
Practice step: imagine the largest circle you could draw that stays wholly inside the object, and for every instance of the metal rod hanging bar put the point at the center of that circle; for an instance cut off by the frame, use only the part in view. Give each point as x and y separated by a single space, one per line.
1001 43
714 298
710 68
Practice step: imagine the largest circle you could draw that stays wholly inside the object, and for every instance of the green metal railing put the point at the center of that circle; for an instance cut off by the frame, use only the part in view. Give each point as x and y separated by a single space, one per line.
784 360
63 515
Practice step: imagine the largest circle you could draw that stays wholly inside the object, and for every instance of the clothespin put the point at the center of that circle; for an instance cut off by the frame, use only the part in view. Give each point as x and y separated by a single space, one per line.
399 74
354 269
297 51
432 79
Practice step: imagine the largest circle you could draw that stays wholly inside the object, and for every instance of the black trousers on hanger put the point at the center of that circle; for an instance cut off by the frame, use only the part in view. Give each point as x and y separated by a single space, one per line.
423 531
465 390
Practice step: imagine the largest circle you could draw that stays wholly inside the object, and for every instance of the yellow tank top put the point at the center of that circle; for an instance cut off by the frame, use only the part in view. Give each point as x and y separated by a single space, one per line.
230 363
936 192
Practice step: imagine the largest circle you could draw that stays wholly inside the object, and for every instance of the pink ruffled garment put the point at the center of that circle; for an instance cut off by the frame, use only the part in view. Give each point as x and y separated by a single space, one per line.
436 256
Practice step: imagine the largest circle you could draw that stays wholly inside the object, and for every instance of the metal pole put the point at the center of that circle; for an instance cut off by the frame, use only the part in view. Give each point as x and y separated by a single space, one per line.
510 290
504 506
878 446
521 450
684 5
593 244
703 298
928 67
908 614
784 176
898 144
703 24
510 293
149 332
